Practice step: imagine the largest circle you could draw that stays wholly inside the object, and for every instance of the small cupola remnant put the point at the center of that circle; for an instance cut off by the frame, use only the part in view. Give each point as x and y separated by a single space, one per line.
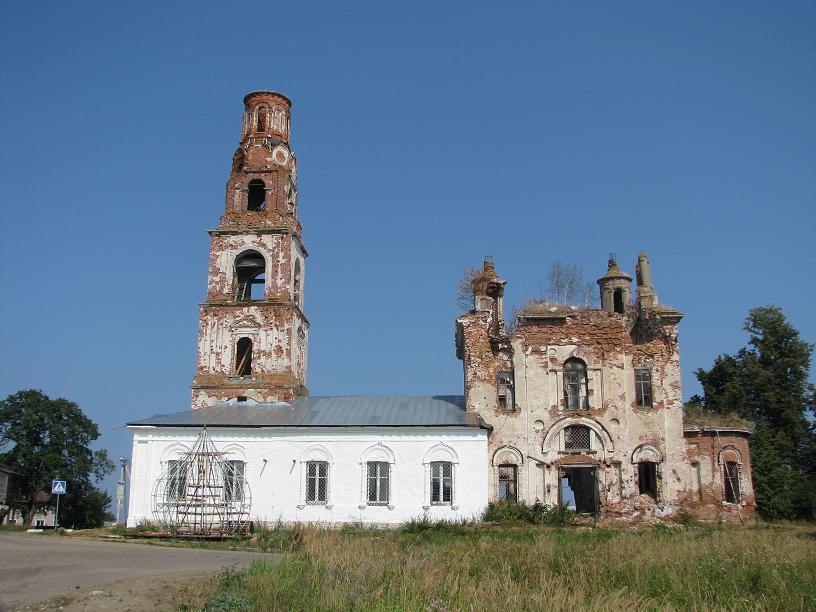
488 287
266 115
488 291
615 288
647 298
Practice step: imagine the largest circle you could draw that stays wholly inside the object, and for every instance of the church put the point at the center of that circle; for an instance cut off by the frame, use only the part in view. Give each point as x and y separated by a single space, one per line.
573 406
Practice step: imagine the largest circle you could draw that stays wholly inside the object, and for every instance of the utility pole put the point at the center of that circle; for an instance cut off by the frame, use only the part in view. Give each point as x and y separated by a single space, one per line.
120 489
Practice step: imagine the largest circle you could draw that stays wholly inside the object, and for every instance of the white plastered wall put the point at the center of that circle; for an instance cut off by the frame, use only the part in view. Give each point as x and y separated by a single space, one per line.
275 470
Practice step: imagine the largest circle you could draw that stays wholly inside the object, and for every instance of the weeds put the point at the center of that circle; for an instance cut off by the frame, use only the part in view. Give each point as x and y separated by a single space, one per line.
537 514
429 565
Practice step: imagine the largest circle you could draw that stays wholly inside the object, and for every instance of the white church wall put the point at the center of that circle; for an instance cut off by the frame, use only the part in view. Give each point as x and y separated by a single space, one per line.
276 465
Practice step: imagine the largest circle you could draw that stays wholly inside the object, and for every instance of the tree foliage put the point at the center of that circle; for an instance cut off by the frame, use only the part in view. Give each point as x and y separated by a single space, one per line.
567 286
465 290
767 382
48 439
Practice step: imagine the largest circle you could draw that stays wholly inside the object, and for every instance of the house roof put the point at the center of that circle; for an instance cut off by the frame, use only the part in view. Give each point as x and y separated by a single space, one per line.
328 411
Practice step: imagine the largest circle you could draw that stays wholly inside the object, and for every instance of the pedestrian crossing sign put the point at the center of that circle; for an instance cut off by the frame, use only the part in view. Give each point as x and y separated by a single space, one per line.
58 487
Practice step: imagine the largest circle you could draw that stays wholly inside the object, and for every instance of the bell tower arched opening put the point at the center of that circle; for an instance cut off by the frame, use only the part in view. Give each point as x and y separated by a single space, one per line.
250 277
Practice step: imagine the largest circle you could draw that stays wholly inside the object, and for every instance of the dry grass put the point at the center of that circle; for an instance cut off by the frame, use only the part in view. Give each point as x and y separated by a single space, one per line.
697 416
527 568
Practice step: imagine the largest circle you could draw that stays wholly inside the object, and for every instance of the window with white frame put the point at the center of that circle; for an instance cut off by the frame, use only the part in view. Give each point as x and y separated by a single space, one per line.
234 480
379 482
441 483
643 387
176 479
317 482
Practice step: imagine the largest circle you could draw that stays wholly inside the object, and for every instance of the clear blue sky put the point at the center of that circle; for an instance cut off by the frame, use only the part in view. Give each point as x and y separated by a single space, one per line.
429 135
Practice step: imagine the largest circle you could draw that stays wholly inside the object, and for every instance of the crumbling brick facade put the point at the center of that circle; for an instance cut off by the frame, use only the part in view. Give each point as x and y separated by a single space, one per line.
253 335
585 405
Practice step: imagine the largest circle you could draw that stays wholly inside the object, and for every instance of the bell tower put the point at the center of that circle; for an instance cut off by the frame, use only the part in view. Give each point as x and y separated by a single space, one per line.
252 334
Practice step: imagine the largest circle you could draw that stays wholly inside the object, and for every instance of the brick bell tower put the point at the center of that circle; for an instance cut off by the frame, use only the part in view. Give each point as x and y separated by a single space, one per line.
252 334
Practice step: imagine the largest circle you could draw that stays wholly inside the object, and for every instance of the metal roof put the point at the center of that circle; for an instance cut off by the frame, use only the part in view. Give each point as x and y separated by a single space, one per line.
329 411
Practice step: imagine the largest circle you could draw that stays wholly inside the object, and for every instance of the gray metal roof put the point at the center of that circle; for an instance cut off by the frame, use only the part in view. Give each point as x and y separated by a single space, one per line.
329 411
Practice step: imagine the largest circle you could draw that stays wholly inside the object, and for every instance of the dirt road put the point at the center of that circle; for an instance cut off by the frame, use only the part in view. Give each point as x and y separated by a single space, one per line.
84 574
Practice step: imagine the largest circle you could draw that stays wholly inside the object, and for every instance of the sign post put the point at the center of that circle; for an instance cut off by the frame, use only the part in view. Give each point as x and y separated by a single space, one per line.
57 488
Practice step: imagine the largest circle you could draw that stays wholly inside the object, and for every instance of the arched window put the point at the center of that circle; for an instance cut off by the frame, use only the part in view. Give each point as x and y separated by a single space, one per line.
577 438
296 293
243 357
617 298
250 279
261 123
256 199
576 393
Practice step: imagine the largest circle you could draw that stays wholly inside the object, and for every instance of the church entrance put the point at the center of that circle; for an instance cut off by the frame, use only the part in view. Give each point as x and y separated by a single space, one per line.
578 489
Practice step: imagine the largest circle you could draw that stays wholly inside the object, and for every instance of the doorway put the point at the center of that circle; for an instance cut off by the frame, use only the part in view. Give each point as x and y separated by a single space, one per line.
579 489
647 479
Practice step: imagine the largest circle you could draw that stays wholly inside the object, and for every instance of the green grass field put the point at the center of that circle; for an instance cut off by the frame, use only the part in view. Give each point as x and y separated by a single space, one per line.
462 567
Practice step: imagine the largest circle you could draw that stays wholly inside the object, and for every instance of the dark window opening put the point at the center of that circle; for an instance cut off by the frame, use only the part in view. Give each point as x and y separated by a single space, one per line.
243 357
250 280
643 387
647 479
441 482
317 482
378 482
617 298
507 483
256 198
296 285
579 489
577 438
576 391
504 387
242 398
732 484
261 124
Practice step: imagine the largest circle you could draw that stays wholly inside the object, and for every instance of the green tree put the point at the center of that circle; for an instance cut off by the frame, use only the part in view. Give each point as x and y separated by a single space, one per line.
767 382
46 439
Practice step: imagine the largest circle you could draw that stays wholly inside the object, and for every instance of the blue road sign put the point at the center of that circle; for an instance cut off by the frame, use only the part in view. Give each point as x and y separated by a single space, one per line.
58 487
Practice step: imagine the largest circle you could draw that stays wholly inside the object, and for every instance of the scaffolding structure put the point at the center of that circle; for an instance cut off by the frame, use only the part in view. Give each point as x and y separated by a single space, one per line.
202 493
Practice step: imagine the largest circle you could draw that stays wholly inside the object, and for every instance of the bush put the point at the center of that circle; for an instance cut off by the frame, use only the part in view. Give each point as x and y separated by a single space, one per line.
537 514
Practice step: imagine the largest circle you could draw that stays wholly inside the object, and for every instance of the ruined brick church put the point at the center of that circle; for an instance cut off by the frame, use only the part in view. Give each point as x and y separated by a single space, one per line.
575 406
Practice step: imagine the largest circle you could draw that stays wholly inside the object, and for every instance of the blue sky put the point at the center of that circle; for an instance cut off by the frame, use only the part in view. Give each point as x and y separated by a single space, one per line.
428 136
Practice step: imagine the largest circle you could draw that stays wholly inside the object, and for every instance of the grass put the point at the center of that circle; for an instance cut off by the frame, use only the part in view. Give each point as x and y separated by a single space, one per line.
697 416
435 566
273 539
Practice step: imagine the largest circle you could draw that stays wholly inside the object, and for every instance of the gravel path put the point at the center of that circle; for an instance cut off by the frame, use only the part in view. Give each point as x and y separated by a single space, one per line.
85 574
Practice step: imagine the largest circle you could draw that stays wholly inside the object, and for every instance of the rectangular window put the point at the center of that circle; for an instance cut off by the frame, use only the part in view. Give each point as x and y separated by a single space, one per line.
40 523
441 482
732 485
234 481
317 480
504 386
176 479
507 483
643 387
378 482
